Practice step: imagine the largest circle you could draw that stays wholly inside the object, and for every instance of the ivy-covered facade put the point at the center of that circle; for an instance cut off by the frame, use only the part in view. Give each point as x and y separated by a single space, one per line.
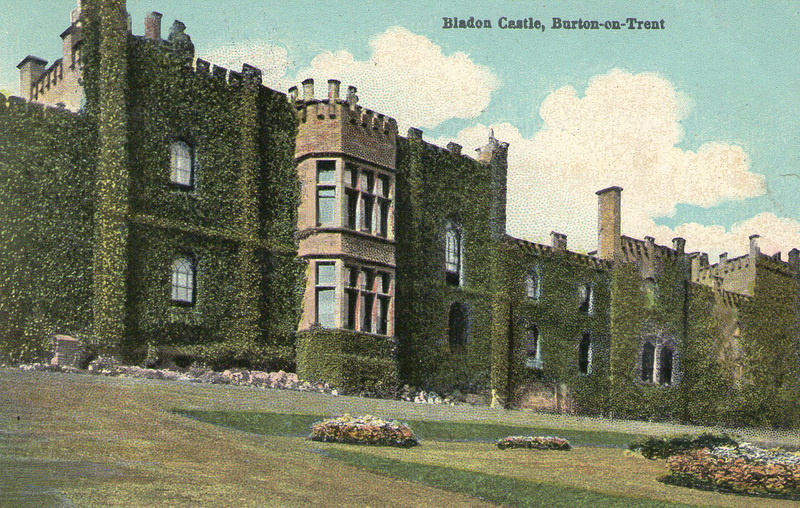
182 210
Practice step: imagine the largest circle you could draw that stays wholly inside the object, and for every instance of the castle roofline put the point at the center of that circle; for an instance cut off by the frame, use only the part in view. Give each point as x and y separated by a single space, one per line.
33 59
72 29
575 257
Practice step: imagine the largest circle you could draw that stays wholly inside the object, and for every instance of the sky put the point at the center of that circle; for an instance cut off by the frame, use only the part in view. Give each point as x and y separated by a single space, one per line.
698 122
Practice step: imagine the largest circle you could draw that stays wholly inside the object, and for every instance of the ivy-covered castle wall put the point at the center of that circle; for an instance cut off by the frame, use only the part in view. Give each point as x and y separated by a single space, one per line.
437 187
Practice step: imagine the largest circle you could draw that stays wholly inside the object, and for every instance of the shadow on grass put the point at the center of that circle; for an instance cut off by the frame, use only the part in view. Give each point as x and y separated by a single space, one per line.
296 425
493 488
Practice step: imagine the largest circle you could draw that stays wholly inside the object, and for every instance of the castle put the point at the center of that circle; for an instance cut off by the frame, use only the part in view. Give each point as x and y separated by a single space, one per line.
160 207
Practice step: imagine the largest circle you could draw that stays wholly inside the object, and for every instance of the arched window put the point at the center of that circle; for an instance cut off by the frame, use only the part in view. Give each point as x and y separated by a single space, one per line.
533 284
648 360
532 348
454 248
183 281
181 164
585 354
586 295
458 325
665 362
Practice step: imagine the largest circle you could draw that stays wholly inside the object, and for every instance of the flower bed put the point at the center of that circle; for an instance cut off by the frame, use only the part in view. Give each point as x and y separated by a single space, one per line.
534 442
664 447
363 430
745 469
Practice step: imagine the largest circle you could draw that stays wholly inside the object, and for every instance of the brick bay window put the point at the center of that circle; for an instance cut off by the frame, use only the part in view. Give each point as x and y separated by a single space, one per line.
454 248
368 200
326 193
181 163
325 291
369 296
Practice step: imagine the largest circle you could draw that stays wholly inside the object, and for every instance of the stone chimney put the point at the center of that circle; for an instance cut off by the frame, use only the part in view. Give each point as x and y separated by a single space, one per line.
679 244
558 240
454 148
723 258
609 222
308 89
794 259
152 26
352 98
31 68
293 94
754 250
333 90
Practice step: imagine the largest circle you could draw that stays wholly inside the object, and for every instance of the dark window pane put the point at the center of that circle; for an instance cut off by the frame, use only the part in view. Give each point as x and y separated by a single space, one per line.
352 308
648 356
383 227
367 204
352 209
585 354
368 300
457 325
326 172
383 315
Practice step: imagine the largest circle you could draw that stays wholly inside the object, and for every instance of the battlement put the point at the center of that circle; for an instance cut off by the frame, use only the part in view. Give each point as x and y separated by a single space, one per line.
348 109
559 249
18 105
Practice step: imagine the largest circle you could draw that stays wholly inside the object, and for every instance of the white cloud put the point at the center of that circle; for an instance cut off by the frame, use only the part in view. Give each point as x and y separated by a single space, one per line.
272 60
624 131
409 78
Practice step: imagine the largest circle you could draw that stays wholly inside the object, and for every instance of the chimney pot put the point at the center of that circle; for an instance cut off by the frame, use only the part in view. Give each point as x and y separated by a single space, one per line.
152 26
679 244
293 94
794 259
308 89
754 249
333 90
454 148
352 98
723 258
558 240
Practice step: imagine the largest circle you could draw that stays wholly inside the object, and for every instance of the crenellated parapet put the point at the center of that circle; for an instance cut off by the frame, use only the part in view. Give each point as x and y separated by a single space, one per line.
340 125
20 106
559 249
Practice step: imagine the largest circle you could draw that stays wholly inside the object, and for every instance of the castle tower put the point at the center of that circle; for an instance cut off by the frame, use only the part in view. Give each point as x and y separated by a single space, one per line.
346 164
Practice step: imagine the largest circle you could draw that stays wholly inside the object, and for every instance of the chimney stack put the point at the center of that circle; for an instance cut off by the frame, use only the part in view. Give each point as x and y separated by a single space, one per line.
454 148
679 244
308 89
794 259
152 26
723 258
333 90
31 68
609 222
352 98
293 94
754 250
558 240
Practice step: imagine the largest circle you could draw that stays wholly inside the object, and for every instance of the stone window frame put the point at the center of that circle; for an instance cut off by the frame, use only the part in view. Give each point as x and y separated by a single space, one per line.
652 375
324 287
533 361
325 189
181 155
363 284
533 283
586 298
184 281
454 253
368 200
589 353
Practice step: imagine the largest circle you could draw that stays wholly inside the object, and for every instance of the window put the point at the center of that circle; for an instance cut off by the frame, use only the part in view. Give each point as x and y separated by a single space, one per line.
181 164
453 253
326 193
183 281
533 284
368 300
532 350
585 354
326 294
651 291
648 361
665 359
457 326
586 295
368 200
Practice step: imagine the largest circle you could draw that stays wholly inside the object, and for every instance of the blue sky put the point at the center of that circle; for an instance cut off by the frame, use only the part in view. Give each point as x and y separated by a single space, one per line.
719 89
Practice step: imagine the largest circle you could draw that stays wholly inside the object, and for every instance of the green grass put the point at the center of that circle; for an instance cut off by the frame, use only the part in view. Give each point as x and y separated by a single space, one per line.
494 488
299 425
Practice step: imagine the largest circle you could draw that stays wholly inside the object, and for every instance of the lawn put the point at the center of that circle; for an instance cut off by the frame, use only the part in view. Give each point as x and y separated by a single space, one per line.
80 440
